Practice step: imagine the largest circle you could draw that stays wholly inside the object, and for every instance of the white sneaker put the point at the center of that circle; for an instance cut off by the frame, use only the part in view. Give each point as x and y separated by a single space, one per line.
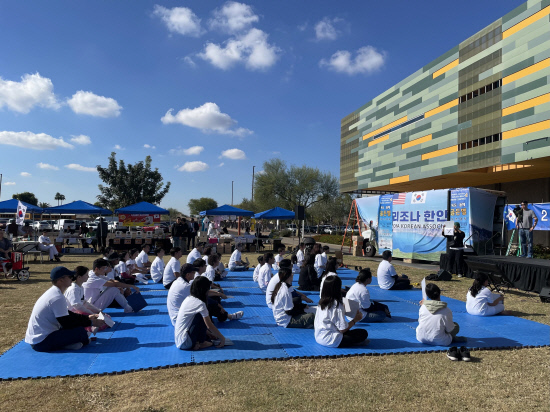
236 315
128 309
74 346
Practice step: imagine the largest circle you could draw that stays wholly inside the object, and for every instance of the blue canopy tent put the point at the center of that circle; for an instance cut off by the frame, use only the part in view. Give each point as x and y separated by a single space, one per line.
142 208
10 206
78 206
229 211
275 213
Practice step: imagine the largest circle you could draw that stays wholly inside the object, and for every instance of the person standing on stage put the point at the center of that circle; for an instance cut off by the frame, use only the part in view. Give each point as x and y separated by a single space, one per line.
455 250
526 227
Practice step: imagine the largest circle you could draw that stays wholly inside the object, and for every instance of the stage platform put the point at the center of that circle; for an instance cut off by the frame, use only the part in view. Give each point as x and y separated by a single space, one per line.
525 274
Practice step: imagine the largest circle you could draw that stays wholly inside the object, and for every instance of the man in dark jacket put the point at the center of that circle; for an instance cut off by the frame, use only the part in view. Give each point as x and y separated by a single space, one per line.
179 231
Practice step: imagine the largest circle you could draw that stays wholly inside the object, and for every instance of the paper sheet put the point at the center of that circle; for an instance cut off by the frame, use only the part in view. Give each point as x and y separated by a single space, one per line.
423 283
107 319
351 307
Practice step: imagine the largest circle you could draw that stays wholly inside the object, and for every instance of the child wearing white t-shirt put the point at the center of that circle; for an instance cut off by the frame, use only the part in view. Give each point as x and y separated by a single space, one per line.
157 267
278 257
179 291
331 327
372 311
288 311
264 274
172 269
480 301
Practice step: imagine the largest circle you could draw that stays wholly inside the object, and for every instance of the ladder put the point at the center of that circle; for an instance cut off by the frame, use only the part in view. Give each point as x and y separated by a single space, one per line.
514 248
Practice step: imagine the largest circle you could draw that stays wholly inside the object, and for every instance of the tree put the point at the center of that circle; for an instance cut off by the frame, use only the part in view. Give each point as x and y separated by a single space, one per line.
26 197
174 213
198 205
59 197
247 204
43 205
287 187
336 210
126 184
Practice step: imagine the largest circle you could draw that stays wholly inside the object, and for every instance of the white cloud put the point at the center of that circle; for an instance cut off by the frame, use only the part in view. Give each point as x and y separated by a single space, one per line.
89 103
74 166
193 167
325 30
147 146
25 174
33 90
235 154
46 166
303 27
194 150
221 164
29 140
118 147
250 49
81 139
9 183
190 62
233 17
367 60
179 20
207 118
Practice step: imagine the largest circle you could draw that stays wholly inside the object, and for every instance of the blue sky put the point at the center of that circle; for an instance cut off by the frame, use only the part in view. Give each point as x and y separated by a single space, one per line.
208 89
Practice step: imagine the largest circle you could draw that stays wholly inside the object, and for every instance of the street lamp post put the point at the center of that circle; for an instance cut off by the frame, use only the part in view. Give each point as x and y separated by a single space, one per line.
232 192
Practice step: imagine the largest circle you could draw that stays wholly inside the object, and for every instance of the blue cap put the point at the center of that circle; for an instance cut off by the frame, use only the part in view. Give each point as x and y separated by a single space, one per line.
59 271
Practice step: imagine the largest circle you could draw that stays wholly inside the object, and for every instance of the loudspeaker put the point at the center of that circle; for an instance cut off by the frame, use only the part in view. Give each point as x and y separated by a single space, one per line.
444 275
545 294
300 213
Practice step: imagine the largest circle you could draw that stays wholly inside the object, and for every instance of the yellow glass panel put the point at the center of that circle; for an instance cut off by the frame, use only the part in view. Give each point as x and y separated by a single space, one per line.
445 68
441 108
545 98
527 71
380 139
440 152
524 23
520 131
414 142
399 179
388 126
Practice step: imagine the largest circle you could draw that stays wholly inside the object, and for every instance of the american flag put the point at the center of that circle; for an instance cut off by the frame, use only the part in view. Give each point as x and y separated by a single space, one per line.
399 198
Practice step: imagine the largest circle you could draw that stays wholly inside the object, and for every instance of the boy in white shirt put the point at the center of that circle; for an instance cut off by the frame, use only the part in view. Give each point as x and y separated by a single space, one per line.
435 321
51 325
235 261
157 268
179 291
196 253
300 255
45 245
387 276
264 276
278 257
100 291
257 269
319 264
172 269
142 261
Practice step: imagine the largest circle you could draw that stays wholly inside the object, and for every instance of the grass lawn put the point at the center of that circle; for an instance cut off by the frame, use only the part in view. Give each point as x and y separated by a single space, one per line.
507 380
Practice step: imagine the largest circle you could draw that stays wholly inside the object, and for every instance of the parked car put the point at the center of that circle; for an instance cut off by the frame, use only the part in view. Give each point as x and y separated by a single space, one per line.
66 224
92 225
293 229
42 225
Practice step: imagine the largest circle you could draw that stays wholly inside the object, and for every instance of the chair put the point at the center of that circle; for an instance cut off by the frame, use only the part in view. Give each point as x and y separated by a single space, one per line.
139 235
497 279
148 235
128 235
118 233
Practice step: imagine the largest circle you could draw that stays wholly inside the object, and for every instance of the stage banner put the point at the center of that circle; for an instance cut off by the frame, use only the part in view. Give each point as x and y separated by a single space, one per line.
542 211
482 206
139 219
460 209
385 224
418 220
368 211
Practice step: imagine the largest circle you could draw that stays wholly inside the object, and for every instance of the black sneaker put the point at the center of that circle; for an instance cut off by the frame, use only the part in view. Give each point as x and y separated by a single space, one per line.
464 353
453 354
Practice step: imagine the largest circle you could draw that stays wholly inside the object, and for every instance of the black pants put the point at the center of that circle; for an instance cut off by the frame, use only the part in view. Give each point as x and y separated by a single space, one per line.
456 261
215 310
353 337
168 285
61 338
191 241
401 284
197 331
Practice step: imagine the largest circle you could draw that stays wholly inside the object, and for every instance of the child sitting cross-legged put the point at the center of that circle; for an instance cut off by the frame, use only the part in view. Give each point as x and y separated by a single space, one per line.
435 323
288 311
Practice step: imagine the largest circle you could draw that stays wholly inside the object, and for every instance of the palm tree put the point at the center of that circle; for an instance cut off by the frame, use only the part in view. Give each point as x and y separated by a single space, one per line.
43 205
59 197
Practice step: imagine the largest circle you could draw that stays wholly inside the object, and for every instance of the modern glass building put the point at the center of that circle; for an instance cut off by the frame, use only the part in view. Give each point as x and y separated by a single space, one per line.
479 115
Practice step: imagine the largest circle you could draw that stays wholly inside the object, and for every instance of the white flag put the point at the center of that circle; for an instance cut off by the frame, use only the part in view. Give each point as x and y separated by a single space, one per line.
20 215
418 197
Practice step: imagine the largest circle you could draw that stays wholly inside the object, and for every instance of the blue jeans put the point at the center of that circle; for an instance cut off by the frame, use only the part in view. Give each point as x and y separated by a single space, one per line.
526 239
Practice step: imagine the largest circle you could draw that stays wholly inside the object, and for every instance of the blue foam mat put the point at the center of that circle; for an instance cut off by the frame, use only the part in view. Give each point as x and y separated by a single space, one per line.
149 336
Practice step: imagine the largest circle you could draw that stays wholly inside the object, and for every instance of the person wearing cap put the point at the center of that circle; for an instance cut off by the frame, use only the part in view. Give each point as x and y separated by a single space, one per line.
455 250
179 291
46 245
157 268
196 253
101 292
51 325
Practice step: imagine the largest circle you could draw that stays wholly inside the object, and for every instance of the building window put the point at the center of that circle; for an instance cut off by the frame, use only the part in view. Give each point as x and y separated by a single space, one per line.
480 91
480 142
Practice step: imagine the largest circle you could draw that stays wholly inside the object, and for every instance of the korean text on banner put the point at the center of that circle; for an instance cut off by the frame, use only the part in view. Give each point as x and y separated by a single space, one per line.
139 219
385 223
460 209
418 226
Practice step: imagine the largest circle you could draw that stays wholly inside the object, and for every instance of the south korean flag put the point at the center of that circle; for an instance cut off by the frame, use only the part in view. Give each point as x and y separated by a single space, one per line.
418 197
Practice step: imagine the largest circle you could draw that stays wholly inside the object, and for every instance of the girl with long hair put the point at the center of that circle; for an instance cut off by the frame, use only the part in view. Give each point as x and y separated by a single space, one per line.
480 301
288 311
